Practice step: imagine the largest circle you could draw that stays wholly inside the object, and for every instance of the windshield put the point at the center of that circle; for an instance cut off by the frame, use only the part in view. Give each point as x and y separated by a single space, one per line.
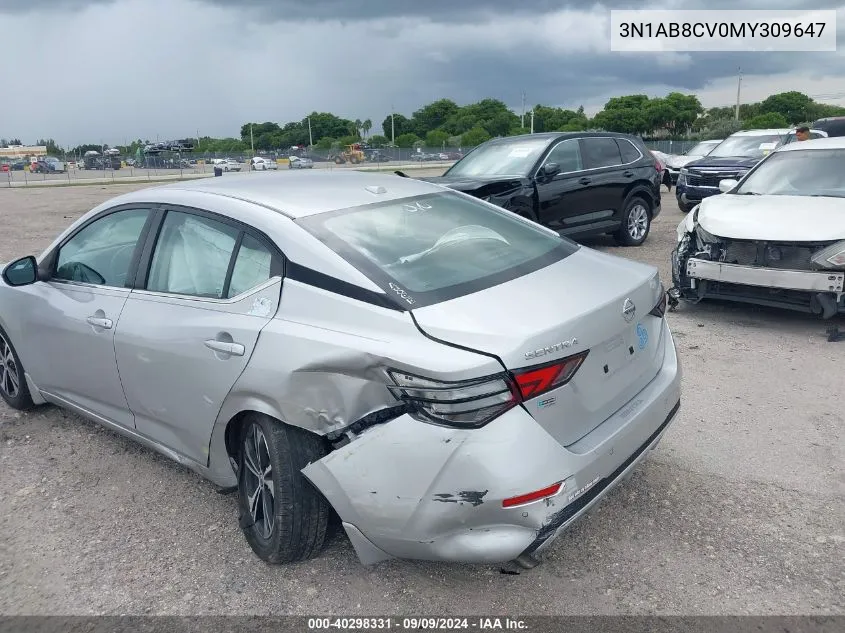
799 173
436 247
702 149
747 146
511 157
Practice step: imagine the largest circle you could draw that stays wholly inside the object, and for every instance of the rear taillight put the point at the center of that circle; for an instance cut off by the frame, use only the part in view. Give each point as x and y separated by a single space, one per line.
473 403
533 381
464 404
659 310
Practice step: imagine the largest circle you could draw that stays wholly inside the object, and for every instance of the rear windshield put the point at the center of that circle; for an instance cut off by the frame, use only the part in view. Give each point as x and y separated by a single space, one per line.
432 248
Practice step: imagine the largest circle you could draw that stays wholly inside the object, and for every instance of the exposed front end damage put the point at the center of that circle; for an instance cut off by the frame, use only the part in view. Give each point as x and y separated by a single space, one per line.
791 275
409 489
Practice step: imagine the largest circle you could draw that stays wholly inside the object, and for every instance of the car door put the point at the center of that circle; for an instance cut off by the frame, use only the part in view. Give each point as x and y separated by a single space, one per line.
69 332
608 178
188 330
563 198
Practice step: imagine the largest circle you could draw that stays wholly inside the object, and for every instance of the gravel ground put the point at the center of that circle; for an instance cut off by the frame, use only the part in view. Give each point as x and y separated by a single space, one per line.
739 511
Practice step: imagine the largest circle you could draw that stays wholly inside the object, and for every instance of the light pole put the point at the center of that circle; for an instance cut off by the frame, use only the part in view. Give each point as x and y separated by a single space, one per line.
532 120
392 127
522 118
310 138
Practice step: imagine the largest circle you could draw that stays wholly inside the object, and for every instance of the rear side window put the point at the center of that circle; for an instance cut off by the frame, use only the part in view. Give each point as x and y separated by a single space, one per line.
436 247
601 152
630 154
192 256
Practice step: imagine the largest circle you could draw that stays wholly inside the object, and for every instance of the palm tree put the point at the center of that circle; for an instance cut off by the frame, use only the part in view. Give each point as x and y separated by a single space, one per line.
367 126
358 127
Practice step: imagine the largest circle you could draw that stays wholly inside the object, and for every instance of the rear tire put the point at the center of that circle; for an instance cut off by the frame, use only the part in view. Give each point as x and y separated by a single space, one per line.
283 516
636 223
684 207
13 387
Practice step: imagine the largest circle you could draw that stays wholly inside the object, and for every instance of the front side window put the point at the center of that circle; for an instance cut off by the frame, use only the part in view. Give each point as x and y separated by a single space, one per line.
101 253
437 247
567 155
601 152
192 256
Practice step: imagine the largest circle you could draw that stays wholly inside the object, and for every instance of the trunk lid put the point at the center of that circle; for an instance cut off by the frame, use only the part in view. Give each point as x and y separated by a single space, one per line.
569 307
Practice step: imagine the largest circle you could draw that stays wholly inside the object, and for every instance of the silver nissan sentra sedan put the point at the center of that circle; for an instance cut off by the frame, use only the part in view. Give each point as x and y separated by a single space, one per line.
456 382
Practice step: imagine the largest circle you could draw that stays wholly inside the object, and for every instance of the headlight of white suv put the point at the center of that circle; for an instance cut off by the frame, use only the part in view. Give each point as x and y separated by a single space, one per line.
831 257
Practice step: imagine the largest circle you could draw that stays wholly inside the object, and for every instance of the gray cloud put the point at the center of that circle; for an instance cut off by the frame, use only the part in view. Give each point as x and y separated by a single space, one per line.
14 6
177 66
472 10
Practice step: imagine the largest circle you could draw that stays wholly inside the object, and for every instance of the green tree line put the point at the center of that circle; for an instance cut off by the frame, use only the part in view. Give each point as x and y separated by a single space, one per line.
445 123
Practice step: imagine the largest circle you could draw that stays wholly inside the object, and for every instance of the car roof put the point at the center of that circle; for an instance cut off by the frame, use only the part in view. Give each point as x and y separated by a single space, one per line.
766 132
770 131
832 142
303 193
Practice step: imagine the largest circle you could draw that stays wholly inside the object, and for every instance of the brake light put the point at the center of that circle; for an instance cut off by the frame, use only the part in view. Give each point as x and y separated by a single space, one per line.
659 310
533 381
473 403
464 404
551 491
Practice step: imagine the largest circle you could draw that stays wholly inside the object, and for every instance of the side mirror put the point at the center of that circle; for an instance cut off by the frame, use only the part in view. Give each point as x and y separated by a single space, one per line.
726 185
550 169
21 272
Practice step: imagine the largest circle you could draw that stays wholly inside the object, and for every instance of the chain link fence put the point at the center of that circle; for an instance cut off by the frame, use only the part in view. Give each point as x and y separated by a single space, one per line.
178 165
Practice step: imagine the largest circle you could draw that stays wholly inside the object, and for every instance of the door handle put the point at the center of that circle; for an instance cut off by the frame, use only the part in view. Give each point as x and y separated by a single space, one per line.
233 349
627 174
106 324
585 181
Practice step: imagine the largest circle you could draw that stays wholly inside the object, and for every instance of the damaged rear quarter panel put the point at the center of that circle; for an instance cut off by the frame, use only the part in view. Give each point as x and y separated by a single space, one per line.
413 481
309 375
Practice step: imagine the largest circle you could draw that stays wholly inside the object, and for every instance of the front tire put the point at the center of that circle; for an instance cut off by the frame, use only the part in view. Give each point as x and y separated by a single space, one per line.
13 387
636 223
283 517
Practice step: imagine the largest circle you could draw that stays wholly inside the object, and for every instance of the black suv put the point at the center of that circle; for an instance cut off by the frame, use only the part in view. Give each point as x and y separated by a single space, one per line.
579 183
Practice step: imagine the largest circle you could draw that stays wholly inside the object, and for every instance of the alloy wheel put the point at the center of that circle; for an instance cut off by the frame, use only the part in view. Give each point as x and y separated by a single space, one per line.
261 492
638 222
8 370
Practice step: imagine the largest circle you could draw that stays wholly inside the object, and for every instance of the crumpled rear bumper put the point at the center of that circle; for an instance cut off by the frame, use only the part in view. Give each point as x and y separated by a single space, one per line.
406 489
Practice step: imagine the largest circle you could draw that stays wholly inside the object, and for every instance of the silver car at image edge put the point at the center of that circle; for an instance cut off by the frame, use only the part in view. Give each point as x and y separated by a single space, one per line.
456 382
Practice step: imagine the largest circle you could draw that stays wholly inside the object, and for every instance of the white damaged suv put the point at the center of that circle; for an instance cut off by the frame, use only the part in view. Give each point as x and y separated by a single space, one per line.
776 237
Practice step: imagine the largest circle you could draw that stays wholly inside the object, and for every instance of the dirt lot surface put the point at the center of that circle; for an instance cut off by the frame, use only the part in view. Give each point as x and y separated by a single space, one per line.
741 509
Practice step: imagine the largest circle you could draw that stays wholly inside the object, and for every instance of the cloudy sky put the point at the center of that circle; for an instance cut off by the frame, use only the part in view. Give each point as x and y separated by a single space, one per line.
104 71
